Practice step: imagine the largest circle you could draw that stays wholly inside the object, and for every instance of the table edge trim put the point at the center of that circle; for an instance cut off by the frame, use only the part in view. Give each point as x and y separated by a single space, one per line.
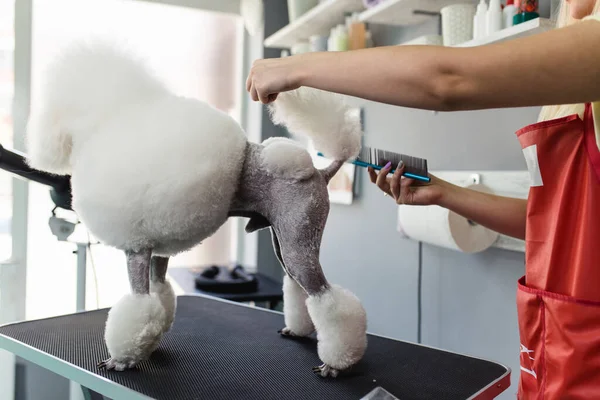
69 371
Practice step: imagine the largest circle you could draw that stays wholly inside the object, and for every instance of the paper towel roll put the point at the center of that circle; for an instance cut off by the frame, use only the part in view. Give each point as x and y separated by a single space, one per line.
442 227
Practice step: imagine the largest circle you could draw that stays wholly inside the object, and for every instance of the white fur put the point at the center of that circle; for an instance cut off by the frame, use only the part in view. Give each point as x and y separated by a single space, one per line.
134 328
168 300
148 167
341 324
81 87
295 312
322 116
287 158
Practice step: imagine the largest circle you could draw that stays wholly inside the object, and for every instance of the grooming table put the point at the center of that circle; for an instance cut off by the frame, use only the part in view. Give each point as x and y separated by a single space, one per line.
218 349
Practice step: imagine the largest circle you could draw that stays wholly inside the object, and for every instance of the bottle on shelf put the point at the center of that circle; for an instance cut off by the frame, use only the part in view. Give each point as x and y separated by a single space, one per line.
528 10
369 40
318 43
508 13
342 38
494 17
332 40
357 38
480 20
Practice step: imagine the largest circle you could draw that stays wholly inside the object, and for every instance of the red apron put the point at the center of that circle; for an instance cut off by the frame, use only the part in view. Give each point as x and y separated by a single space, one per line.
558 299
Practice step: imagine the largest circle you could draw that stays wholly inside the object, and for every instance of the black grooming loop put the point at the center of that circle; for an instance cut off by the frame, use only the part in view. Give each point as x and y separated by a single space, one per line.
60 186
60 193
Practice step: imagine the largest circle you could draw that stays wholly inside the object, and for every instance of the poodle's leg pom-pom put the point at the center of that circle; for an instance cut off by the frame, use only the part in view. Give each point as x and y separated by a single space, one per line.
297 319
165 292
341 324
133 330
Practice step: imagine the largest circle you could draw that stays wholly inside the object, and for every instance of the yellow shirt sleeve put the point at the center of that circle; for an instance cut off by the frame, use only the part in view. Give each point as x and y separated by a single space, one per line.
595 104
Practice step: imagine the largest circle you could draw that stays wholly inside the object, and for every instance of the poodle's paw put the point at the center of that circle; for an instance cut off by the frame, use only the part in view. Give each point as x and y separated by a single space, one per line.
325 371
341 324
297 319
288 332
111 363
134 329
167 297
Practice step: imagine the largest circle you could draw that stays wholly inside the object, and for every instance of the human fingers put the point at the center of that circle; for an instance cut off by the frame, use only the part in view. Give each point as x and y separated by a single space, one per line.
249 82
253 93
263 96
395 180
372 174
381 181
405 191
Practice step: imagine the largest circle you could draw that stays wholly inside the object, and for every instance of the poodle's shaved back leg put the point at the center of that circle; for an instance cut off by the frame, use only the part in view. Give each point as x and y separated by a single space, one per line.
131 339
158 269
138 269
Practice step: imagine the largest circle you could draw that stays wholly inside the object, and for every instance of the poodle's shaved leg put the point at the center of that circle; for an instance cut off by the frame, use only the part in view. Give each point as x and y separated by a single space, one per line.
158 269
136 323
138 269
161 286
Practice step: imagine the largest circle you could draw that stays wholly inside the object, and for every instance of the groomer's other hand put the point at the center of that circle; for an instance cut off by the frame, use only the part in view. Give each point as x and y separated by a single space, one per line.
407 190
269 77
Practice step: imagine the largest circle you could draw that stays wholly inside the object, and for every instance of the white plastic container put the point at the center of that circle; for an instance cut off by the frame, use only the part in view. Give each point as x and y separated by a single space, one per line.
480 21
318 43
332 40
510 10
457 23
342 38
494 17
369 40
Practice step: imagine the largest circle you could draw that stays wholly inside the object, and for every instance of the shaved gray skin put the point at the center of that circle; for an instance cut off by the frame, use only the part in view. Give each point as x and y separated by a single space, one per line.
138 269
296 212
158 269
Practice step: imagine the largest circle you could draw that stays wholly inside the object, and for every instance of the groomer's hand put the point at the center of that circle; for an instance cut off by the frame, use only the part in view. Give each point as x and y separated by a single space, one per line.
269 77
408 190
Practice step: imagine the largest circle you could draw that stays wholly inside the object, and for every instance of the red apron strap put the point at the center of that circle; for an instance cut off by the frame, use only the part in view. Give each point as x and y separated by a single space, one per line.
590 140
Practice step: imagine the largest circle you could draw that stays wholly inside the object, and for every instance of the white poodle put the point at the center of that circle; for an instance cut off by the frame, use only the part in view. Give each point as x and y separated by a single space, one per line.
153 174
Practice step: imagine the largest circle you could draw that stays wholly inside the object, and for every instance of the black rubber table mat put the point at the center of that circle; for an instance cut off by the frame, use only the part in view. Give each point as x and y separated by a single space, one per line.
219 350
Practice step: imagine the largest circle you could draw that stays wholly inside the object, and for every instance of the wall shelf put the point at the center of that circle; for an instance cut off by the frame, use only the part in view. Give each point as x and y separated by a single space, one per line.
402 12
317 21
524 29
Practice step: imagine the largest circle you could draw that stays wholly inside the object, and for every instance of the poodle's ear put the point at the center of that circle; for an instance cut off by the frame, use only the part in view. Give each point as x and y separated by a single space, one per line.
257 223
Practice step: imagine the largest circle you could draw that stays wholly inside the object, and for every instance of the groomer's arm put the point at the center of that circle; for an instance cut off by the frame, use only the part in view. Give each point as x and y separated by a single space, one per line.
505 215
555 67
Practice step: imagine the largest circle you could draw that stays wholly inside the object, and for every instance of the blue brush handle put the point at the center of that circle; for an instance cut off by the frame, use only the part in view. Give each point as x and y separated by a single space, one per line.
377 167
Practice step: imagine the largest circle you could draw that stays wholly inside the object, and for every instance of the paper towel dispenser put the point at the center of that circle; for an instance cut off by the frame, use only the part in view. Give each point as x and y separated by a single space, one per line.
443 228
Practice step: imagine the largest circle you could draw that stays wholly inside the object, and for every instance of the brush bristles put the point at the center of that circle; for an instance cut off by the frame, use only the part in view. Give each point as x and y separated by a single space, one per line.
413 165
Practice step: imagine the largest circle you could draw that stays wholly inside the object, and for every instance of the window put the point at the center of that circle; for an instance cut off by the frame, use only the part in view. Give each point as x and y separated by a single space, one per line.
200 54
7 41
